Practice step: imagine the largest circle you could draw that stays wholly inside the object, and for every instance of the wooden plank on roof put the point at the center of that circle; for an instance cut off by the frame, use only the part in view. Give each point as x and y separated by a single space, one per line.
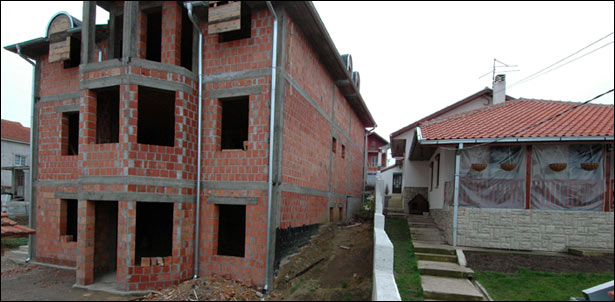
59 51
224 26
223 18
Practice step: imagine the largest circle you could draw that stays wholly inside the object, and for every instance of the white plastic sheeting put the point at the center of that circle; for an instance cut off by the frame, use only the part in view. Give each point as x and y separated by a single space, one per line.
492 177
567 177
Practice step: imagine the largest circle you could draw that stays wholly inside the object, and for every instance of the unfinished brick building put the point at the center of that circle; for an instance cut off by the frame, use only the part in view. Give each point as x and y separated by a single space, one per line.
116 139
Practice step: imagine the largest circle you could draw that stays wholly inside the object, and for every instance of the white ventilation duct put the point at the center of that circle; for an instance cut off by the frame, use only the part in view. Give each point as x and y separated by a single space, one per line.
347 59
356 79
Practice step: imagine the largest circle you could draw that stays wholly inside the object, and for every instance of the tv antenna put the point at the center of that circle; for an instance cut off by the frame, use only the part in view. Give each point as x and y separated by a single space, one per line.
502 65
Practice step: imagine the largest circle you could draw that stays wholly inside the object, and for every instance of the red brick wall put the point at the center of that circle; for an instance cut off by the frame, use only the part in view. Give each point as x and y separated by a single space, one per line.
307 139
237 165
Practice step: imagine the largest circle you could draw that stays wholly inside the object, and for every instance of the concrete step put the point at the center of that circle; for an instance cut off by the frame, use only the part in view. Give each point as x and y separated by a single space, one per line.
436 257
451 289
422 224
434 250
23 248
419 218
425 231
443 269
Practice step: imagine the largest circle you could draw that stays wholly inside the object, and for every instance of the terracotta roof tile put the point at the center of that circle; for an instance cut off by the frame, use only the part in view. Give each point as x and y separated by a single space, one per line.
15 131
11 228
510 119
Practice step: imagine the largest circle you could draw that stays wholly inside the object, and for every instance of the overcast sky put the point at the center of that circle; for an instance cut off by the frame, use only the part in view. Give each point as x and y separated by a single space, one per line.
414 57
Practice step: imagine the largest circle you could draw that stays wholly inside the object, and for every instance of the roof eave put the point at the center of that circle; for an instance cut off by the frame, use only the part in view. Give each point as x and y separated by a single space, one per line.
304 13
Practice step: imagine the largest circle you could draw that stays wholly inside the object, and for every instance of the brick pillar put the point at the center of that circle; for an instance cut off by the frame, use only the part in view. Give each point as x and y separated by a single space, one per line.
87 121
129 97
183 237
171 33
85 244
127 227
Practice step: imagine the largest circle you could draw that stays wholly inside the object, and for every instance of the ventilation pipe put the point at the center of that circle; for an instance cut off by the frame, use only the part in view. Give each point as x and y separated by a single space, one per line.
271 130
189 6
499 89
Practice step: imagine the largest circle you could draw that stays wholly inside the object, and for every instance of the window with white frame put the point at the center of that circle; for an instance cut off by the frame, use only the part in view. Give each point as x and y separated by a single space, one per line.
20 160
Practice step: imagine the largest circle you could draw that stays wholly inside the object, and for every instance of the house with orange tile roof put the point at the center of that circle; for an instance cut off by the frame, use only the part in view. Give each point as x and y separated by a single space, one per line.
15 159
519 174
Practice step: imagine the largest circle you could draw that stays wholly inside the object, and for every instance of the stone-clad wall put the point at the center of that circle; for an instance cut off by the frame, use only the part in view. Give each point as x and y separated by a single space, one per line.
528 229
410 192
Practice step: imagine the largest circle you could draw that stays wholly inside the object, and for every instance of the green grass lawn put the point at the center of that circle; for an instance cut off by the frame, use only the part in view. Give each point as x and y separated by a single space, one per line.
13 243
405 267
526 285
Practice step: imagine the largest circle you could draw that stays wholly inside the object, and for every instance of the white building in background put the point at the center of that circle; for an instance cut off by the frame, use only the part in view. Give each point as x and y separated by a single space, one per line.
15 160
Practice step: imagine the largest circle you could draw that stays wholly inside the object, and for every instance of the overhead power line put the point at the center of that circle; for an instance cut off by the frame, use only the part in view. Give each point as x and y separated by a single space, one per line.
538 73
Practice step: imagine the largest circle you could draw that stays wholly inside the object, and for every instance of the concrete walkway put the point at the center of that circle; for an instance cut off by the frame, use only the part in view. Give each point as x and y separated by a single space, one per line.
442 267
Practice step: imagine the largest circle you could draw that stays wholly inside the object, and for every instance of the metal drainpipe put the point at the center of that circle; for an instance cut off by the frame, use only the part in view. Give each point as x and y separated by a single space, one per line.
367 133
456 196
271 130
189 6
31 148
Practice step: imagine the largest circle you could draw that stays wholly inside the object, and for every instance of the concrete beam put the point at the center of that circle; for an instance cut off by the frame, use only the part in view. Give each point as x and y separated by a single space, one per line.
233 92
232 200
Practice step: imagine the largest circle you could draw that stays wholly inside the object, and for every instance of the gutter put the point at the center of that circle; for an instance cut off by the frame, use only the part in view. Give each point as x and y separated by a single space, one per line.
31 147
189 6
423 141
271 132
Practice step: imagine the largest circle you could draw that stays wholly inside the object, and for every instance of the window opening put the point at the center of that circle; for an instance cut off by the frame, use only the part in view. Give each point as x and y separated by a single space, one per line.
235 116
70 133
153 45
154 232
75 54
438 170
232 230
69 218
20 160
244 31
333 144
186 40
118 36
107 115
343 151
431 178
156 117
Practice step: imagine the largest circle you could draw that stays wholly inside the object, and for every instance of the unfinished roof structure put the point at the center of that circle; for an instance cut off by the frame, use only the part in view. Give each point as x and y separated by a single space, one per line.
190 138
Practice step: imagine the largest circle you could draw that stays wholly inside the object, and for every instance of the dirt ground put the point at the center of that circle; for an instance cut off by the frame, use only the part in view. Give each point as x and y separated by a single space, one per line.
27 282
510 263
345 274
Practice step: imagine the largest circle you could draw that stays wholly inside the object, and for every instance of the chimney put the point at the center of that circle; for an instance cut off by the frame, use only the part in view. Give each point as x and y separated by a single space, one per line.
499 89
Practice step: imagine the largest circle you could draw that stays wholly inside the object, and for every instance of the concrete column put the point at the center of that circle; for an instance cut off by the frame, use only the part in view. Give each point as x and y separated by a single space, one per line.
129 44
88 32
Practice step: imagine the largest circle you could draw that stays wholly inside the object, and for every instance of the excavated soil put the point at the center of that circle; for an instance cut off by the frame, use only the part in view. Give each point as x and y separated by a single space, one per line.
511 262
344 274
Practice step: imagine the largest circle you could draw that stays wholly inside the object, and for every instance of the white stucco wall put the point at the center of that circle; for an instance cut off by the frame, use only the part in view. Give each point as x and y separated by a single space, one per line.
387 177
447 173
416 173
8 152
